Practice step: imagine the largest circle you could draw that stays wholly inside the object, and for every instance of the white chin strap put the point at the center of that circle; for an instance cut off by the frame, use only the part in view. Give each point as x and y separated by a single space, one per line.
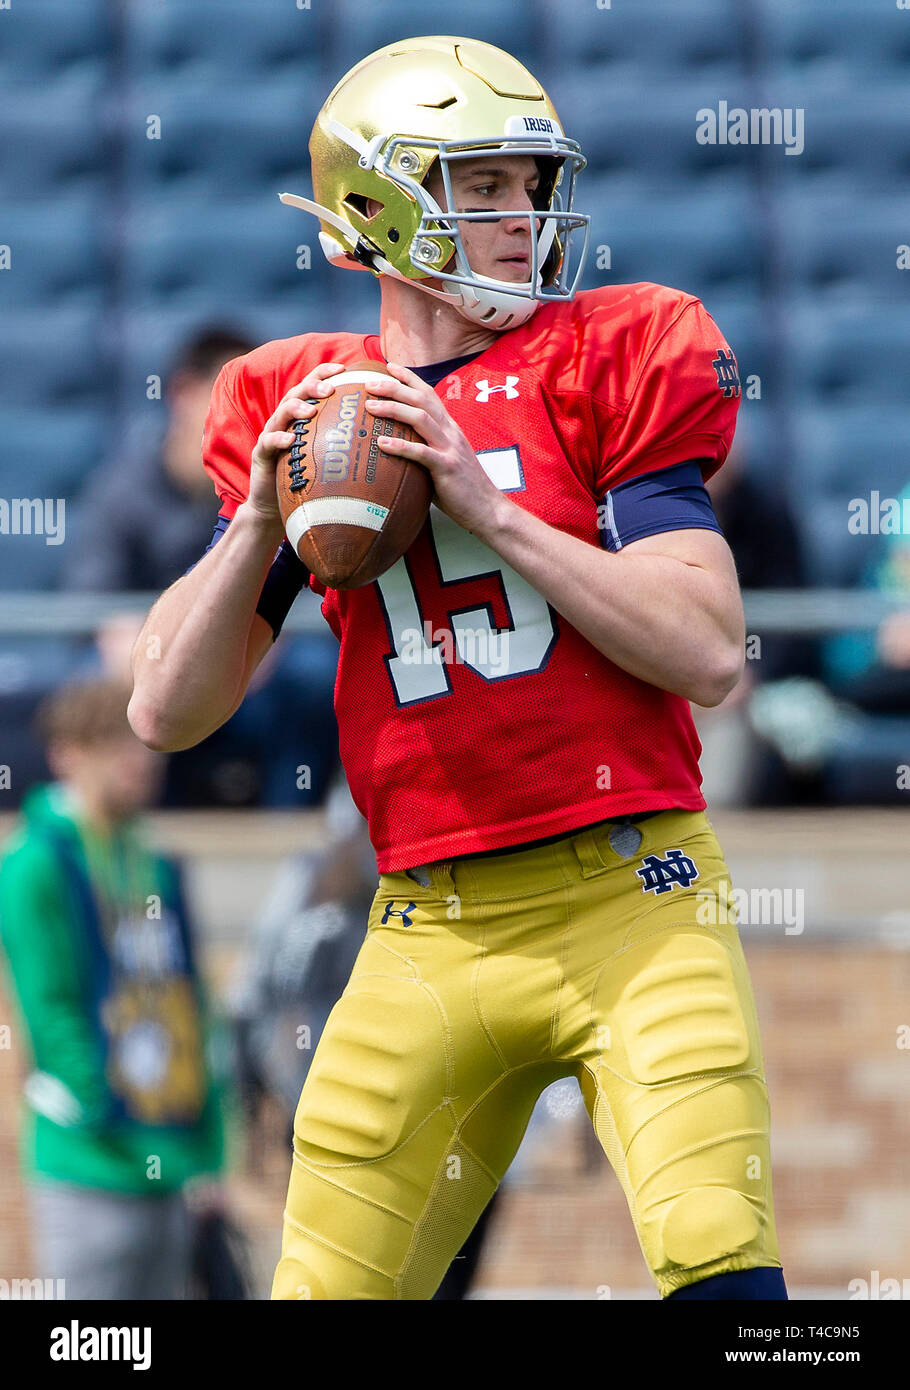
491 308
483 302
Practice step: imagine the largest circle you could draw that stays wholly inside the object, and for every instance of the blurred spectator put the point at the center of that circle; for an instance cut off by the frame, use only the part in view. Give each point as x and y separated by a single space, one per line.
849 737
304 948
148 514
869 673
761 531
739 766
122 1109
147 517
871 668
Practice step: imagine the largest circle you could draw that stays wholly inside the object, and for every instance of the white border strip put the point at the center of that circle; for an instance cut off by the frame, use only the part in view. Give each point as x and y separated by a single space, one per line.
334 511
355 378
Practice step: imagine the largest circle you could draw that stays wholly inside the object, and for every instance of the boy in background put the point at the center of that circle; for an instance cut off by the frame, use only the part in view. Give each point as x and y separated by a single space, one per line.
121 1109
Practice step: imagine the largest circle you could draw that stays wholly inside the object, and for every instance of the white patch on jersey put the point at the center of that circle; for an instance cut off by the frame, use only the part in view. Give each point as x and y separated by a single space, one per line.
503 468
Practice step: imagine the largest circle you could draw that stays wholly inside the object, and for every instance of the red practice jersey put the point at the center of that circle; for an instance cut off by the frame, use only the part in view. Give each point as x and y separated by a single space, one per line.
471 715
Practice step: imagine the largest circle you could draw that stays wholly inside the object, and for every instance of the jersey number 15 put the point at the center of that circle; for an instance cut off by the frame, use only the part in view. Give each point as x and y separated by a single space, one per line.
418 657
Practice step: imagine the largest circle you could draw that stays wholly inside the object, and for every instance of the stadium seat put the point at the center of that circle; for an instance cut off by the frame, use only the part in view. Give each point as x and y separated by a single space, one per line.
216 147
841 453
834 44
855 140
44 475
700 242
68 43
218 45
53 468
176 249
834 245
644 44
847 355
62 262
620 133
56 143
55 359
361 29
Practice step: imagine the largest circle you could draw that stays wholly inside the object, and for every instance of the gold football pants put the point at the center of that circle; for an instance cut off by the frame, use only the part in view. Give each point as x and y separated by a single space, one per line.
469 996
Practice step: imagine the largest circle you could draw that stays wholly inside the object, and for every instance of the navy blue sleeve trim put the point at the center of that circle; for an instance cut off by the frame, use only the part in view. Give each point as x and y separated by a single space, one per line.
671 499
283 583
221 525
286 577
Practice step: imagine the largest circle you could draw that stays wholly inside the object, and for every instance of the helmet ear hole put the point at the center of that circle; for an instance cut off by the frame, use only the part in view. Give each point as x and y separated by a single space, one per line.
368 208
434 184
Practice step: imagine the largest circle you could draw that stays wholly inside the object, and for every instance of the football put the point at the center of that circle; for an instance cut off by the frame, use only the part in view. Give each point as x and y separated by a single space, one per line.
349 509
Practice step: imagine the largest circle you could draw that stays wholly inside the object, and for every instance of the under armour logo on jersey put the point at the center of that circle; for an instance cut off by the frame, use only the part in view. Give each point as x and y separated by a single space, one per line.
660 875
727 372
390 911
485 390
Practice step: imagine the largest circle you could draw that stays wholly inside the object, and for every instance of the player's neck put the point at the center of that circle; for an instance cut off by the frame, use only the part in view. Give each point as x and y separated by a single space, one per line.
416 329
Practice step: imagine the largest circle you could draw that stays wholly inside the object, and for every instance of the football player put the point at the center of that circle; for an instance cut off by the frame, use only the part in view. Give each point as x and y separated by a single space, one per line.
512 699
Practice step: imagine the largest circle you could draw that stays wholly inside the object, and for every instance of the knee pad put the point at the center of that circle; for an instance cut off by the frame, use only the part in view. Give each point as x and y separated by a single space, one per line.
296 1282
707 1224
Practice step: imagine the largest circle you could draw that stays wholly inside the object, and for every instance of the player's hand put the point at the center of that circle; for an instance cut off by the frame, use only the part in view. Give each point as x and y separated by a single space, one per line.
463 489
276 438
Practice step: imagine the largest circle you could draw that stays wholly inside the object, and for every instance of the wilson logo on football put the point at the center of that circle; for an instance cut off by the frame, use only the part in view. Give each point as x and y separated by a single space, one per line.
337 459
485 390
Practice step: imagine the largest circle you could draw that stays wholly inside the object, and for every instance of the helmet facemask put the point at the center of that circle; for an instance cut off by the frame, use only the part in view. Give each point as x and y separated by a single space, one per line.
554 229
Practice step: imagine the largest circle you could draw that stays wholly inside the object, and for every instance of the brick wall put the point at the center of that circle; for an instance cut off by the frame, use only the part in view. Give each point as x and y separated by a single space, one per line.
15 1259
840 1087
840 1098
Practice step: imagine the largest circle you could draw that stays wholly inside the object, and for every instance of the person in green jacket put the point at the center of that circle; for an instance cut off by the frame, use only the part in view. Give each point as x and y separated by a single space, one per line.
121 1108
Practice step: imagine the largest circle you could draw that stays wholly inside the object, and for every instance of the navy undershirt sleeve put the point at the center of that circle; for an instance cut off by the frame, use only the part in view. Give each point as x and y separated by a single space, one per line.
286 577
672 499
435 372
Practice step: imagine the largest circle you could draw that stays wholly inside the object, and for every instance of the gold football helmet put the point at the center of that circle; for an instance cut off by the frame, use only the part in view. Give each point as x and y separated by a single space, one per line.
384 127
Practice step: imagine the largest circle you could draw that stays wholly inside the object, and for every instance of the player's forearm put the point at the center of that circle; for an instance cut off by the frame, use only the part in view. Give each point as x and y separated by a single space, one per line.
194 655
673 624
